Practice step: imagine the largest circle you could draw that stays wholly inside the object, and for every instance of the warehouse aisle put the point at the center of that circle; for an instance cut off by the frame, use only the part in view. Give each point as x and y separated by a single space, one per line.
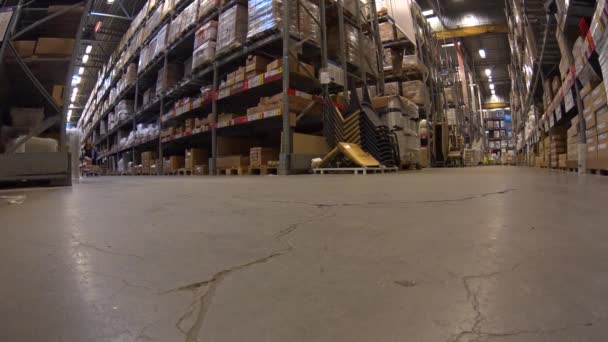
492 253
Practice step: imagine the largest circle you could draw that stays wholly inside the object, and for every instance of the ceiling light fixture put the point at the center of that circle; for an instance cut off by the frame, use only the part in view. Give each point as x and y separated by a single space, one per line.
447 45
493 92
85 58
80 70
427 12
88 49
482 53
488 72
492 86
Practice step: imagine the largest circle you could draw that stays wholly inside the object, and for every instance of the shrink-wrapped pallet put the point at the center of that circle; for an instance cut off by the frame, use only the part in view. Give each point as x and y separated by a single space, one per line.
232 28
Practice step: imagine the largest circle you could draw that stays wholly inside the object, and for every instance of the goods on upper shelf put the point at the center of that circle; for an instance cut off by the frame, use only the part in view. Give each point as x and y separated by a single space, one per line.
232 28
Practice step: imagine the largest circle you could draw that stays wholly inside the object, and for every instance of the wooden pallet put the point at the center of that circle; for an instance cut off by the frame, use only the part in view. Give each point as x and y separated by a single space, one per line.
185 172
263 170
231 171
228 49
354 170
599 172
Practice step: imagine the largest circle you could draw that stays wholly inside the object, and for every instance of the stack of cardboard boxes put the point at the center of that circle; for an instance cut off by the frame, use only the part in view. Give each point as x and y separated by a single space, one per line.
204 44
195 157
596 120
573 140
260 156
558 150
148 162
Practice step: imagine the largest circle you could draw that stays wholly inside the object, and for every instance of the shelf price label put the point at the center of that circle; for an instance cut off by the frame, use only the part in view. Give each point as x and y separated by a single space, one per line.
569 100
272 113
255 81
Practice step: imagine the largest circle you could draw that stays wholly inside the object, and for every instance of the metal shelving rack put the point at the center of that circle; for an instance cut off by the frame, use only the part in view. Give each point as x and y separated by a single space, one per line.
540 18
51 166
278 43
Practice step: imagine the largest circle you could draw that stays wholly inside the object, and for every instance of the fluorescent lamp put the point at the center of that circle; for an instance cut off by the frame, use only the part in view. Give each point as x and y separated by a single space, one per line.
76 80
427 12
493 92
488 72
482 53
492 86
85 58
489 78
80 70
447 45
89 49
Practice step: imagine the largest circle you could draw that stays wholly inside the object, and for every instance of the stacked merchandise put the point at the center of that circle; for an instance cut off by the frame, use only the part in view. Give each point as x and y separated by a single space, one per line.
266 16
261 156
205 7
417 92
351 38
558 148
149 160
232 28
204 44
401 117
195 157
573 140
595 113
168 76
124 109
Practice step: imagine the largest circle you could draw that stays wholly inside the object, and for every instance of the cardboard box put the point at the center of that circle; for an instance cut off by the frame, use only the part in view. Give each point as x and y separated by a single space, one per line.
589 115
256 64
189 124
58 94
309 144
601 120
195 157
175 163
205 33
25 48
259 156
250 74
54 47
232 161
602 150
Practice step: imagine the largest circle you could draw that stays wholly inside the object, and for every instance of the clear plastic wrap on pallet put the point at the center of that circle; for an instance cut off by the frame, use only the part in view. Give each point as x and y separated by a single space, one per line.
308 25
203 54
161 40
167 6
205 33
153 22
131 73
112 96
599 22
232 28
124 109
265 15
371 58
175 29
189 18
144 58
205 7
351 40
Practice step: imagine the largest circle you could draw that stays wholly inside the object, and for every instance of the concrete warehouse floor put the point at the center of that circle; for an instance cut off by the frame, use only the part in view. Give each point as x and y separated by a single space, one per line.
476 254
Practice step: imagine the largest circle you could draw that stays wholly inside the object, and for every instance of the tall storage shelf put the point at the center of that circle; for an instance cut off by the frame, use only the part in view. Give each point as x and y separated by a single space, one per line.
38 46
500 141
242 86
558 114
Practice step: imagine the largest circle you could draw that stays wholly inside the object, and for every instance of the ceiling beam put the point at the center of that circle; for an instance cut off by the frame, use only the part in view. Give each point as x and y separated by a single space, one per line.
471 31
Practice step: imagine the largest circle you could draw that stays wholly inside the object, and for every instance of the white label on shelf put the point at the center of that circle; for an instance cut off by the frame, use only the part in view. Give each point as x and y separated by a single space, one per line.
255 81
569 100
253 117
272 113
273 72
224 93
324 77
